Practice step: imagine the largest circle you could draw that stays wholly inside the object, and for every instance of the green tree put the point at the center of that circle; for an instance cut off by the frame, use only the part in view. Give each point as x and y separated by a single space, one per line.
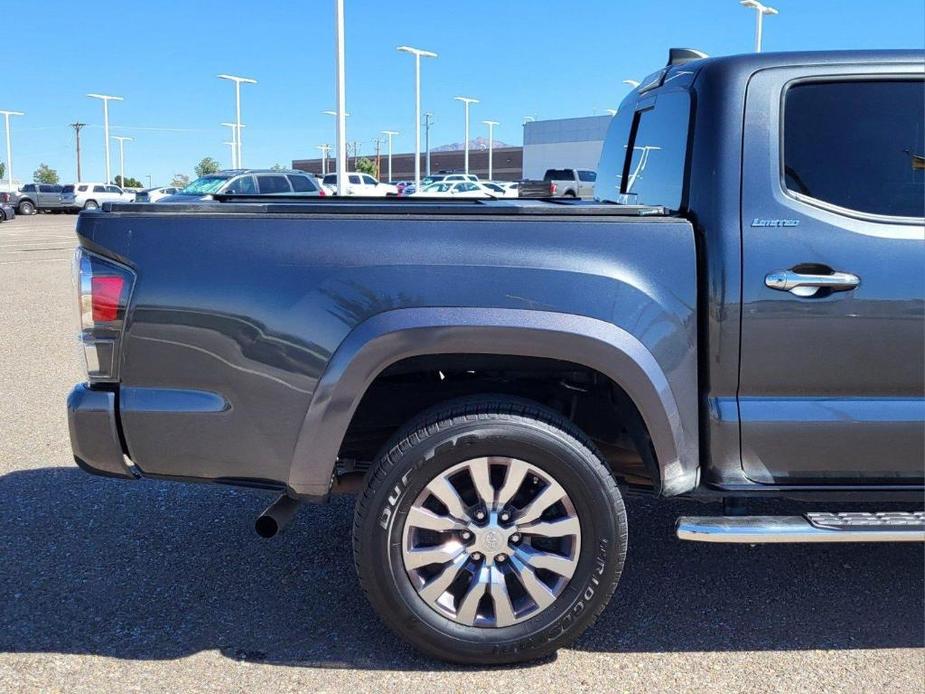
366 165
206 166
277 167
2 169
179 180
129 182
45 174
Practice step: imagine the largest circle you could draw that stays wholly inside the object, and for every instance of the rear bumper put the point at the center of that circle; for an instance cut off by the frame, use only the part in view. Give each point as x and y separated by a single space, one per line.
91 420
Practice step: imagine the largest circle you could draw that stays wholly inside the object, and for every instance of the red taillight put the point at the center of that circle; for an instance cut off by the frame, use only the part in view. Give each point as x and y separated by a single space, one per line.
552 188
106 295
321 192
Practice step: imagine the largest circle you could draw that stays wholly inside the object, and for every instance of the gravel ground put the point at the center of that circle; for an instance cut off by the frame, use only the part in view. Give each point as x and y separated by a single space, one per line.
159 586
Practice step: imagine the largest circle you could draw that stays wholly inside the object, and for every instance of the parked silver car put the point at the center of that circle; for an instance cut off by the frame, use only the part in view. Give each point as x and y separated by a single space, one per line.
248 182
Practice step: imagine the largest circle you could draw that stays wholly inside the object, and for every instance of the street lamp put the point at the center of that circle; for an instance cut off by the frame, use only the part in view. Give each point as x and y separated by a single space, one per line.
106 99
418 53
760 12
491 144
239 158
234 142
232 145
389 134
632 83
528 119
9 149
122 140
467 101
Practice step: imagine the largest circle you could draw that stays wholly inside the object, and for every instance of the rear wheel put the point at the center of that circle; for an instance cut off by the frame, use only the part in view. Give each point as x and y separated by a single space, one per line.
26 207
490 532
91 205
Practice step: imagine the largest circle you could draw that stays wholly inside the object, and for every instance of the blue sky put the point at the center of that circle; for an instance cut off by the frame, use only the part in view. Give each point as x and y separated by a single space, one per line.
548 58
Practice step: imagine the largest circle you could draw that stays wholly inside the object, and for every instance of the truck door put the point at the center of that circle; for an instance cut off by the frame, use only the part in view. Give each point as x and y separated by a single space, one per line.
833 244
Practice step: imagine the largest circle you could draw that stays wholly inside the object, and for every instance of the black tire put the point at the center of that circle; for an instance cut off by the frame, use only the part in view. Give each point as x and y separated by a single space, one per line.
91 205
569 194
26 207
461 430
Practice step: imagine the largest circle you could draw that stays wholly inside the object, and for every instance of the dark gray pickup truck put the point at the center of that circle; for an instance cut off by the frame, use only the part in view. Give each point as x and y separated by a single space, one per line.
737 315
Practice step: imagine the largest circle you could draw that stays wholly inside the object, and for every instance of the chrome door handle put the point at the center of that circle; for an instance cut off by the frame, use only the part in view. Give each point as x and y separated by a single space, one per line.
808 284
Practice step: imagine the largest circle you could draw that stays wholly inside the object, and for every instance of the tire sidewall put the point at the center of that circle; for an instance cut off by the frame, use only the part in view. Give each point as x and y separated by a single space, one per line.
603 542
26 208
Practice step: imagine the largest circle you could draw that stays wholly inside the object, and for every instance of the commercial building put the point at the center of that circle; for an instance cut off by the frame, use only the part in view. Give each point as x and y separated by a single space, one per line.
548 144
507 163
573 143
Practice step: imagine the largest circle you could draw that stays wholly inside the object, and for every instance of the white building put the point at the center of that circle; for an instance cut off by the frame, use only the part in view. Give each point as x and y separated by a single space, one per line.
573 143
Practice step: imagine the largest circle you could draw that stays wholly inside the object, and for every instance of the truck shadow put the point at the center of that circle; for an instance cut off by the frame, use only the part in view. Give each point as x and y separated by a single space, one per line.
154 570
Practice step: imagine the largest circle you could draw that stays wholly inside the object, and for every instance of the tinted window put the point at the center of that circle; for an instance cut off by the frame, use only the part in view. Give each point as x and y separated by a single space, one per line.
67 189
654 173
330 180
273 184
113 189
353 179
302 184
48 189
81 188
241 186
369 180
28 188
559 175
587 176
99 189
858 145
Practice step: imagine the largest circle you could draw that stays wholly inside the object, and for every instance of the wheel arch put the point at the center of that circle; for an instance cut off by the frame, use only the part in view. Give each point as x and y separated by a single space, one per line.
391 336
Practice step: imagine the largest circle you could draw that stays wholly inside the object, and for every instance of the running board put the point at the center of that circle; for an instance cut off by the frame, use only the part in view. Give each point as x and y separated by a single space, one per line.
811 527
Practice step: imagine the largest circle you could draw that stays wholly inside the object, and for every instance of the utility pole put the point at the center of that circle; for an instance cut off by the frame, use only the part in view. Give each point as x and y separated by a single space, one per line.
77 126
378 142
428 119
356 154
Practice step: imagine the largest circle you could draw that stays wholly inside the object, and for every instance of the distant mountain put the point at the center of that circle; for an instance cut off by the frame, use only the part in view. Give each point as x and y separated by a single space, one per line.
475 144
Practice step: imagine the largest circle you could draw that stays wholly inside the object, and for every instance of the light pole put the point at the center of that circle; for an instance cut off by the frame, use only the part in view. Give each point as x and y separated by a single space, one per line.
77 125
418 53
9 148
428 121
340 96
632 83
389 134
325 148
760 12
491 143
467 101
239 158
234 141
528 119
106 99
122 140
232 144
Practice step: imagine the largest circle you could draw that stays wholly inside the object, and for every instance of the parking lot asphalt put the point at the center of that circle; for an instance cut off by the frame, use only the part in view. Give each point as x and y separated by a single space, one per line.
159 586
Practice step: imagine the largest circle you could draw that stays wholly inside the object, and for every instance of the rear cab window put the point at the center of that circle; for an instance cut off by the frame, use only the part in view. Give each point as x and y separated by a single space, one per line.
857 145
645 153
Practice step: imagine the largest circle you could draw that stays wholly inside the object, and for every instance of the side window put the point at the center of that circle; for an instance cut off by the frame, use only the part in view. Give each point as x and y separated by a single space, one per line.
353 178
369 180
82 189
301 184
330 180
241 186
587 176
270 185
654 171
28 188
47 189
113 189
857 144
99 189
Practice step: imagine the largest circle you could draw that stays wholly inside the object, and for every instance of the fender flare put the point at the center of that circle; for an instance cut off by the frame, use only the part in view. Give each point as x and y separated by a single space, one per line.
392 336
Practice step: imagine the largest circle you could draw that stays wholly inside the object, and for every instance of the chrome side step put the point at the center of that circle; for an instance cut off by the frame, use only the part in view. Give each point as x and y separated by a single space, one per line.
813 527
